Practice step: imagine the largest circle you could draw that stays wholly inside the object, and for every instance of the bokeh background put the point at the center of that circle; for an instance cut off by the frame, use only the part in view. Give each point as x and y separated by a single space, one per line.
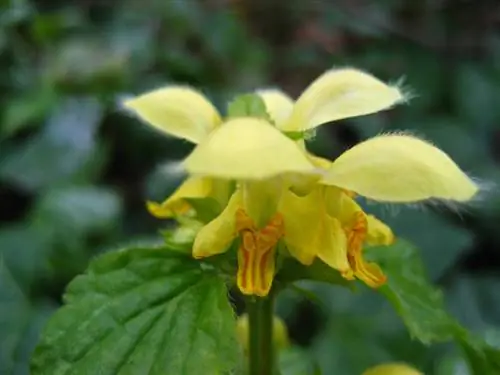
75 169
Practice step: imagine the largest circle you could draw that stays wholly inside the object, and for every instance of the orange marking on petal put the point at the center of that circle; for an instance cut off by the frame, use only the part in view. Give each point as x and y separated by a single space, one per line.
256 253
368 272
262 269
243 221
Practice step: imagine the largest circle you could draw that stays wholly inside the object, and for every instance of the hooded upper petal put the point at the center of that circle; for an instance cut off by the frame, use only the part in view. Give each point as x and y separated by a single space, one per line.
339 94
193 187
400 168
247 148
278 104
179 111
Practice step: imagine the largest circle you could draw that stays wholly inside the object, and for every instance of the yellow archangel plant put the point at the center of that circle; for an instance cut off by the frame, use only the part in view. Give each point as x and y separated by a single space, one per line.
273 190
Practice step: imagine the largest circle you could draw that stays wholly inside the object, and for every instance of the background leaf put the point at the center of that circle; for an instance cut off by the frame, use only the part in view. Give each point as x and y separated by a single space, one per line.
422 307
419 304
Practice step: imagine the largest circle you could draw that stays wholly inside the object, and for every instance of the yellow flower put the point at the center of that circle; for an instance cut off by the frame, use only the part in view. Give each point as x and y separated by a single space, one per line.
285 194
392 369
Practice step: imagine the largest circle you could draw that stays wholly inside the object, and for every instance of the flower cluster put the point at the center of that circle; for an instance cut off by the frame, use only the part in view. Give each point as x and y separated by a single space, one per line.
272 190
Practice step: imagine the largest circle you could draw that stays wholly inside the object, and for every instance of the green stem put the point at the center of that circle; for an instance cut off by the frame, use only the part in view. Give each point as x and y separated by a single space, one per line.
261 347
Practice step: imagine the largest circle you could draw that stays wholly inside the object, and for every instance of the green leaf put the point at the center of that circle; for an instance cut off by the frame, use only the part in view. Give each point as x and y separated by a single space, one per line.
418 302
141 311
248 105
20 324
443 243
27 111
206 209
64 150
24 250
181 238
482 354
482 357
422 309
296 361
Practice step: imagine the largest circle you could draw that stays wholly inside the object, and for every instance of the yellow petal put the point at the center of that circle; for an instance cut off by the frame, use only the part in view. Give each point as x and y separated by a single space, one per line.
320 162
339 94
301 216
400 168
392 369
378 232
247 148
216 237
340 205
310 232
333 245
193 187
278 104
179 111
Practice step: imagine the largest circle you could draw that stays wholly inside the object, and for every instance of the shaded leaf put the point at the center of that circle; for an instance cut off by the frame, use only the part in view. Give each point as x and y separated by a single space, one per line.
79 209
141 310
476 90
65 147
24 250
443 242
482 357
26 111
296 361
418 302
422 309
20 324
292 271
181 238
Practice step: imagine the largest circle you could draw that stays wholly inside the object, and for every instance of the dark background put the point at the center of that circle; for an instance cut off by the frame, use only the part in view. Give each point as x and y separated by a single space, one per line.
75 170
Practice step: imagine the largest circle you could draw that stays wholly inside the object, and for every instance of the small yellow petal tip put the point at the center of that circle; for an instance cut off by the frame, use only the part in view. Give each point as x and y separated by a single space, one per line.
177 204
392 369
159 210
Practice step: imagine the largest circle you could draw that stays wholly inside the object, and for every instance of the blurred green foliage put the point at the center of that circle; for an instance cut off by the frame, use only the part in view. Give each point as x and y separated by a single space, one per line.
75 169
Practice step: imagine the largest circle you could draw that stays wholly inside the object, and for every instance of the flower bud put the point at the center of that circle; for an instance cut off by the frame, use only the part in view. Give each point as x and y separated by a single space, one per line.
280 333
392 369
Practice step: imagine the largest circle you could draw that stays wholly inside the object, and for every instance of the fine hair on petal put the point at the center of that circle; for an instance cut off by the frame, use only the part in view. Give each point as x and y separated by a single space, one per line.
407 92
